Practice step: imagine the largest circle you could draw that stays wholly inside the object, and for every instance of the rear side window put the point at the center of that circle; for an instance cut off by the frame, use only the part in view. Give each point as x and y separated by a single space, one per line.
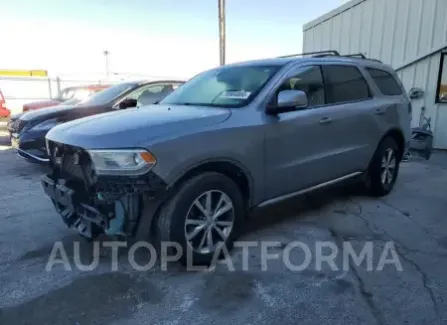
344 84
386 82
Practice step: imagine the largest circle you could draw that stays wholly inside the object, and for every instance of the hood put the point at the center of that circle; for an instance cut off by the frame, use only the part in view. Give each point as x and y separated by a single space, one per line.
132 127
55 111
41 104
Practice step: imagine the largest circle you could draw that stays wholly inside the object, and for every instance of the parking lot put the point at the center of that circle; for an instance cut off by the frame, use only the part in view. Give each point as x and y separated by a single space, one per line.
413 217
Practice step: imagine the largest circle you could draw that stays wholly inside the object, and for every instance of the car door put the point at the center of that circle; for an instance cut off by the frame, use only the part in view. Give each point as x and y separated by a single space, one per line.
300 145
350 102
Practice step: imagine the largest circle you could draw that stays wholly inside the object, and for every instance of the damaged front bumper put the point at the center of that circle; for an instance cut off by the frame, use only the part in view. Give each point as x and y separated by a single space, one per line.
74 212
112 205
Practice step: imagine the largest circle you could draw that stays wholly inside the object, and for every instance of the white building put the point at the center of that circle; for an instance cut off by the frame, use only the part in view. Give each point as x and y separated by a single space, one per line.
410 35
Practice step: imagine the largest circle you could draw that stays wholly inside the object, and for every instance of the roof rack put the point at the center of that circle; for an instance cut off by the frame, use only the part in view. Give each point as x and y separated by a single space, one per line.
361 56
356 55
329 52
322 54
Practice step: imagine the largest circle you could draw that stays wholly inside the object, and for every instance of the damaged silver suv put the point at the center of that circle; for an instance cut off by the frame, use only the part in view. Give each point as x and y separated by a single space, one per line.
231 139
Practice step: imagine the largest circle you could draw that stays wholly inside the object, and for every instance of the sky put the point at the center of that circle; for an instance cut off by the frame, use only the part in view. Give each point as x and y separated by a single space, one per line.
169 38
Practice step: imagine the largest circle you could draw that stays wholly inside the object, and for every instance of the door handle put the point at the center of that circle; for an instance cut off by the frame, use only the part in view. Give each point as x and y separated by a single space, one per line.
326 120
379 111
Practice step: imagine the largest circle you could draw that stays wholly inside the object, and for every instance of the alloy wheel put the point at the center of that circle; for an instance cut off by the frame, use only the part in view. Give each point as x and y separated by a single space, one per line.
388 167
209 221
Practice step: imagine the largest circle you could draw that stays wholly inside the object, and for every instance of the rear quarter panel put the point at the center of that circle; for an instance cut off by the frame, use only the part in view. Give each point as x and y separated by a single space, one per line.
396 116
397 108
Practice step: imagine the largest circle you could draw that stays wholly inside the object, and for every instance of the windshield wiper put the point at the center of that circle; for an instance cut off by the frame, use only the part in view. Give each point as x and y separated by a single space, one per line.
197 104
185 104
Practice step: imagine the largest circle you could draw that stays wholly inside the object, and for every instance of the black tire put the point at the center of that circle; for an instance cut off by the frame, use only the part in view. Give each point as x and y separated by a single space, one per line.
374 181
173 214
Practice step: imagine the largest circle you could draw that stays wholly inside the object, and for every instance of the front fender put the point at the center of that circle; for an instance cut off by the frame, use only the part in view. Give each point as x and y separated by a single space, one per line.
242 148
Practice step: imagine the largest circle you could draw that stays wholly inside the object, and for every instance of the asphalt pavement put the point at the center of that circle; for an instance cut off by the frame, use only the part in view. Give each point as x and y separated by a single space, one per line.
410 224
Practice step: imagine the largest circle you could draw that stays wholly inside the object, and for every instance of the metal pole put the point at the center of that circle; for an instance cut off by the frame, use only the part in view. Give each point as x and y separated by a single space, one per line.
58 85
106 55
49 88
222 31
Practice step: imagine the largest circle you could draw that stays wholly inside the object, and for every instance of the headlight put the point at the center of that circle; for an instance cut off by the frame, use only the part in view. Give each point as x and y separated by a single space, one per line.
122 162
45 125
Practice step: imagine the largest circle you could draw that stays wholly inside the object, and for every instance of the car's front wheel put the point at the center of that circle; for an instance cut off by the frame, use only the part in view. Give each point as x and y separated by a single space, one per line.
384 168
204 215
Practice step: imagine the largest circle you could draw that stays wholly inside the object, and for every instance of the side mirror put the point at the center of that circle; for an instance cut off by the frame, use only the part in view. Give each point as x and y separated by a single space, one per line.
128 103
288 101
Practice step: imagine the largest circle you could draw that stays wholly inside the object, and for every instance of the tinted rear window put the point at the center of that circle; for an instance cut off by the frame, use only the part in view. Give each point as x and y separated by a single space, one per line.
386 82
344 84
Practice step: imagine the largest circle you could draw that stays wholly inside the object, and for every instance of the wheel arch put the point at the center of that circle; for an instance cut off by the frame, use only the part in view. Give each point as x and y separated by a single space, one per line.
228 167
398 136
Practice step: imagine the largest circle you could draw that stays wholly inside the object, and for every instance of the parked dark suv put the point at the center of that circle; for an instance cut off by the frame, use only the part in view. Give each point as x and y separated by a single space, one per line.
28 130
233 138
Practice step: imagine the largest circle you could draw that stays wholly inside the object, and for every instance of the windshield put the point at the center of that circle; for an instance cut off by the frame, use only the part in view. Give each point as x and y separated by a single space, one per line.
107 95
79 95
66 94
71 101
231 86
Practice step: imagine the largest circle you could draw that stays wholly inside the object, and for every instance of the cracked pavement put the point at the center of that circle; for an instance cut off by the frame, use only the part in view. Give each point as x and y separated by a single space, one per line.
413 217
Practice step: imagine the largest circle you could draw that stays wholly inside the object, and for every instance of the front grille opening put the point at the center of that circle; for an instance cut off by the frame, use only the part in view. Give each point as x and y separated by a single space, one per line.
71 161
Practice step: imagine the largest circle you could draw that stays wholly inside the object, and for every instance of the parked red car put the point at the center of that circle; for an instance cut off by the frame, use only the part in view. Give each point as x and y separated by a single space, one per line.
70 95
4 112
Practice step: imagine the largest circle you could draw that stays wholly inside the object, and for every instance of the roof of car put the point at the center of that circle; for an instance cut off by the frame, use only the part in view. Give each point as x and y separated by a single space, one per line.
147 82
265 62
282 61
88 86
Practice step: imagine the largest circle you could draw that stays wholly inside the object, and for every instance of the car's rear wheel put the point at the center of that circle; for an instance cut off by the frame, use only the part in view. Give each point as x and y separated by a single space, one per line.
204 215
384 168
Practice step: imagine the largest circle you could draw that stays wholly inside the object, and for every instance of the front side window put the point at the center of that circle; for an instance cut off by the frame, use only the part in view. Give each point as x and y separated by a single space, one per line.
442 84
80 95
386 83
310 80
344 84
228 86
